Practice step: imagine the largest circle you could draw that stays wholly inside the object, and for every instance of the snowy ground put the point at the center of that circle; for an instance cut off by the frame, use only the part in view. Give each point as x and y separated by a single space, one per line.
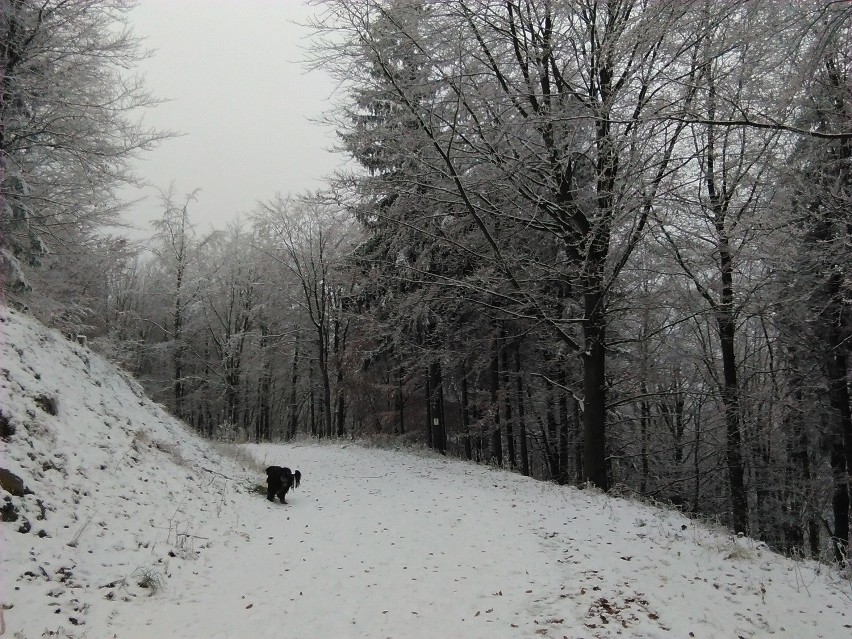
375 543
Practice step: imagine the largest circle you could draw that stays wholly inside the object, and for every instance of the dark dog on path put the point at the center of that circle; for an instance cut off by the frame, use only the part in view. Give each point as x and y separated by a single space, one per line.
279 480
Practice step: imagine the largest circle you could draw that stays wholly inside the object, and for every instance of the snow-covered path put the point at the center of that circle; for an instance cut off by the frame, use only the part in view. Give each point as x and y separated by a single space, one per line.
374 544
387 544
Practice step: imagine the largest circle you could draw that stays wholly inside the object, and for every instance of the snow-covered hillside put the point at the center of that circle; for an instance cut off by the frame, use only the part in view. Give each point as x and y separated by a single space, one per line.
128 526
116 490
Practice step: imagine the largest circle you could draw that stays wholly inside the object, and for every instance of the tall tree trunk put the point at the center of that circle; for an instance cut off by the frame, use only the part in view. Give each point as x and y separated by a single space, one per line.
465 413
294 381
430 430
436 407
340 412
339 394
564 422
799 446
731 402
578 441
799 474
496 435
832 229
840 500
264 405
731 394
232 399
400 403
551 433
726 323
672 410
841 443
179 247
312 399
594 391
679 424
339 388
177 359
522 425
696 464
644 422
507 403
326 426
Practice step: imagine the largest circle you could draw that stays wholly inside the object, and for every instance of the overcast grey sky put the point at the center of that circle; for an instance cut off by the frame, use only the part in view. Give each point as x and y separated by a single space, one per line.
231 70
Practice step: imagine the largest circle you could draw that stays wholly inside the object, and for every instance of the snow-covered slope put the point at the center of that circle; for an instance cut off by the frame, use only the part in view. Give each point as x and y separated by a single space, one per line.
114 485
375 543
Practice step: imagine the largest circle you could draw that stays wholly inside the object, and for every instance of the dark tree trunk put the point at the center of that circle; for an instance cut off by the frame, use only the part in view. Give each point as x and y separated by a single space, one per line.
837 227
340 413
800 453
594 391
801 480
326 413
507 403
436 408
264 406
232 399
551 434
430 432
696 464
522 424
400 401
294 381
496 435
671 409
679 427
578 442
733 448
797 447
731 396
564 422
840 501
726 324
840 450
644 422
179 386
312 399
465 414
340 395
177 329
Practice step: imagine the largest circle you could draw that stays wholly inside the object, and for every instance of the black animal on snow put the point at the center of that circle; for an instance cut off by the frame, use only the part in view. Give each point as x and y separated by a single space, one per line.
280 479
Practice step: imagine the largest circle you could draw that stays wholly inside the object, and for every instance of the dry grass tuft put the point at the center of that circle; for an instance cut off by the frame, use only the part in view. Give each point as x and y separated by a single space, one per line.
239 455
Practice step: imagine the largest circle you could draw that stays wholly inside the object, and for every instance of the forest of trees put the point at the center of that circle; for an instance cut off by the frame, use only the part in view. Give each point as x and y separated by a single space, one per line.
594 242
